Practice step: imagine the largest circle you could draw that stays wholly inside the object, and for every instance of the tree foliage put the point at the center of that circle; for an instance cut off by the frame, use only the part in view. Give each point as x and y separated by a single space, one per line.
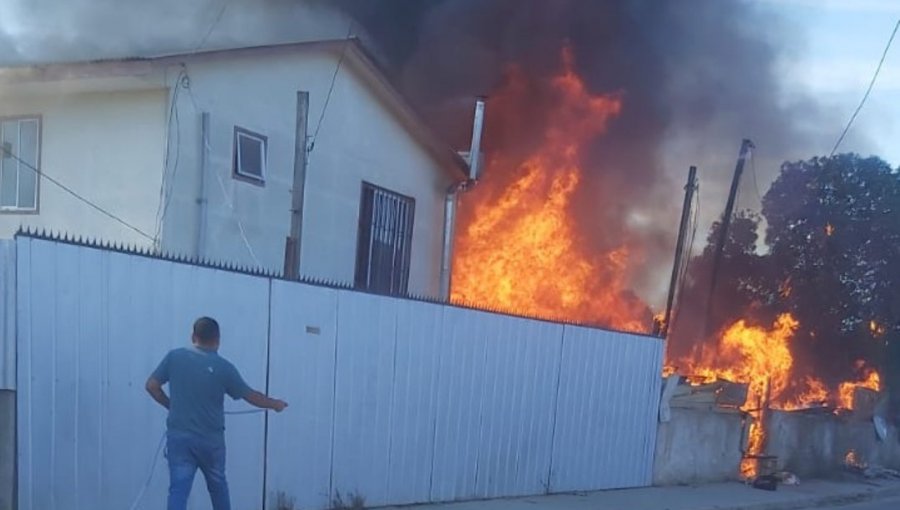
831 258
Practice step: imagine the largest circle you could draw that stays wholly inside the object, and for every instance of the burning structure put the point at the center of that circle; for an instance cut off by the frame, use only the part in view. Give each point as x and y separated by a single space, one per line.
590 104
596 109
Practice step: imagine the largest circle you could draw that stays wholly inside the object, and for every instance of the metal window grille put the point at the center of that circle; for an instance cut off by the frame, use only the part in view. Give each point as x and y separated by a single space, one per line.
385 241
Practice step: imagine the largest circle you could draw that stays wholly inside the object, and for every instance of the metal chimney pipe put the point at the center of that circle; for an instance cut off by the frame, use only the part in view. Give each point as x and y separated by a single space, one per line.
451 201
475 149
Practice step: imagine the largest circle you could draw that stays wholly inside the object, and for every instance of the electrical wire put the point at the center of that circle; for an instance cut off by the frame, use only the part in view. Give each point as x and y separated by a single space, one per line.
237 220
225 4
755 178
224 192
868 91
334 76
42 175
690 252
162 442
165 187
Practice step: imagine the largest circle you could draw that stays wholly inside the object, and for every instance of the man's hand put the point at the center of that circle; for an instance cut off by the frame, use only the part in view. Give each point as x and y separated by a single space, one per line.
261 401
154 388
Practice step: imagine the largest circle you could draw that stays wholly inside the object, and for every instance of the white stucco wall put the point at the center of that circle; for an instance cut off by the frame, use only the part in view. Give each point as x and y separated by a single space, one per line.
106 146
360 139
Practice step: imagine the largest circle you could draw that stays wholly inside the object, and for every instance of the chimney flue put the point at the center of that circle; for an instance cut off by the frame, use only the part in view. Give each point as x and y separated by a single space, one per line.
475 149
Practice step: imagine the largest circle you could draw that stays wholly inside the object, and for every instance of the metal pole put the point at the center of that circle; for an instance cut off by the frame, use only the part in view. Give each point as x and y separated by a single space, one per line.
451 201
202 199
689 190
298 189
746 145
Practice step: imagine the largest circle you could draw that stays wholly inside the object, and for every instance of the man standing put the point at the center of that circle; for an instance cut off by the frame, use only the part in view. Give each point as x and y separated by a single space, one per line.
198 380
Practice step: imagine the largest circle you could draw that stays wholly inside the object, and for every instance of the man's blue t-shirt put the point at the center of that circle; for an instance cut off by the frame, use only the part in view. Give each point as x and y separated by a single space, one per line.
198 381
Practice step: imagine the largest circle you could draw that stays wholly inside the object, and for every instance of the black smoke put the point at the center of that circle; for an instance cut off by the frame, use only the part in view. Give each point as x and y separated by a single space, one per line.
695 76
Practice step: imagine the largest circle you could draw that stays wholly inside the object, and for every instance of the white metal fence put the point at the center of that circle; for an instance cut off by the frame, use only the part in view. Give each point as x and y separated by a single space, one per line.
398 401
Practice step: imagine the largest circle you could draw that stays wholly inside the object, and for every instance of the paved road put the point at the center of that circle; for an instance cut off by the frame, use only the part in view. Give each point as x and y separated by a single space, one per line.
883 504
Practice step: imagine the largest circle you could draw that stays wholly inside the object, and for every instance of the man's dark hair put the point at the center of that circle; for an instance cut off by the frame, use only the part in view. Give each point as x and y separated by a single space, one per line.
206 329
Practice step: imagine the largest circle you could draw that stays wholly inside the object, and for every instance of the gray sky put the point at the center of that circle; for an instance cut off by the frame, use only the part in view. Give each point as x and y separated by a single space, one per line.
842 42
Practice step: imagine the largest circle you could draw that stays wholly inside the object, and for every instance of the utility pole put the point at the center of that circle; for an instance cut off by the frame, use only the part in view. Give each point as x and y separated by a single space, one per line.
746 146
292 245
689 190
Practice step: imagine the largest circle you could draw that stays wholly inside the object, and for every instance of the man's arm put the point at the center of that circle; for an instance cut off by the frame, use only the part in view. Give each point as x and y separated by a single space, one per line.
154 388
261 401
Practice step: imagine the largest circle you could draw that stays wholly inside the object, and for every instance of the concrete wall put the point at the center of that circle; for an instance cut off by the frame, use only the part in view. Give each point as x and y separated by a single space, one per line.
7 449
702 445
361 138
108 146
698 446
816 445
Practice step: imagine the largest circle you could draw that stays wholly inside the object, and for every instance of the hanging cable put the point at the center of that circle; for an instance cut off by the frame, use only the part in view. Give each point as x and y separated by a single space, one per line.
755 178
868 91
75 194
337 69
212 26
162 442
168 182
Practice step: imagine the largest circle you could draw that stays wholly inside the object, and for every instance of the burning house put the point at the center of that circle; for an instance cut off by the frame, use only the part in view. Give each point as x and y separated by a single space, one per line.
595 111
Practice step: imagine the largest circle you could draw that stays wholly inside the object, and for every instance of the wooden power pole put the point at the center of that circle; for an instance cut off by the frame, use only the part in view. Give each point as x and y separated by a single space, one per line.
746 146
689 189
292 245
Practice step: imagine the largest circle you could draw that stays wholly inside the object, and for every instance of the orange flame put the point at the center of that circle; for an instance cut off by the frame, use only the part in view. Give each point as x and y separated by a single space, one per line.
847 390
749 354
519 249
852 459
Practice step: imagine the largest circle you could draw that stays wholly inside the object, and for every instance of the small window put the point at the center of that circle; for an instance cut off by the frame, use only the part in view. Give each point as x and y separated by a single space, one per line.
19 163
385 241
249 158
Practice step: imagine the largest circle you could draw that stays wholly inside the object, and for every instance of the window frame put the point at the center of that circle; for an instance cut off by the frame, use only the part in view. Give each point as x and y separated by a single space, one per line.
362 278
7 210
236 172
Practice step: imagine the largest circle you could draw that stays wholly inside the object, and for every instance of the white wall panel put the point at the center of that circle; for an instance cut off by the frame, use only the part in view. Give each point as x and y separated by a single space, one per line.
304 332
97 323
460 395
415 401
366 337
518 405
395 400
7 315
605 427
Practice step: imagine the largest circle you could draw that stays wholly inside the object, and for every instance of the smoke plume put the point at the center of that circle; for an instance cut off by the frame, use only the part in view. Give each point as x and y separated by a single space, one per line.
694 77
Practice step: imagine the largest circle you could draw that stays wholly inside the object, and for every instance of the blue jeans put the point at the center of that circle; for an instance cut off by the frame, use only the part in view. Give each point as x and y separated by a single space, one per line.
186 452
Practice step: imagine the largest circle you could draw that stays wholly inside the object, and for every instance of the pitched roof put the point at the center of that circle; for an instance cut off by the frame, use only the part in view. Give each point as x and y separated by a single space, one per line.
354 54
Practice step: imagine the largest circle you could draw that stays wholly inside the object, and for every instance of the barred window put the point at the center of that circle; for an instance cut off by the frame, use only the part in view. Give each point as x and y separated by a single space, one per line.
385 240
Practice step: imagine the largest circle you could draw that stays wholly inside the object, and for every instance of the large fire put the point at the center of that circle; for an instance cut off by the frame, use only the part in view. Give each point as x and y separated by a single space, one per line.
762 358
519 248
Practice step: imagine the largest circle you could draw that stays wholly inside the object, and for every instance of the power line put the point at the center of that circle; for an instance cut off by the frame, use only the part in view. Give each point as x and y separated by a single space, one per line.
75 194
755 178
868 91
683 271
334 76
225 4
165 187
